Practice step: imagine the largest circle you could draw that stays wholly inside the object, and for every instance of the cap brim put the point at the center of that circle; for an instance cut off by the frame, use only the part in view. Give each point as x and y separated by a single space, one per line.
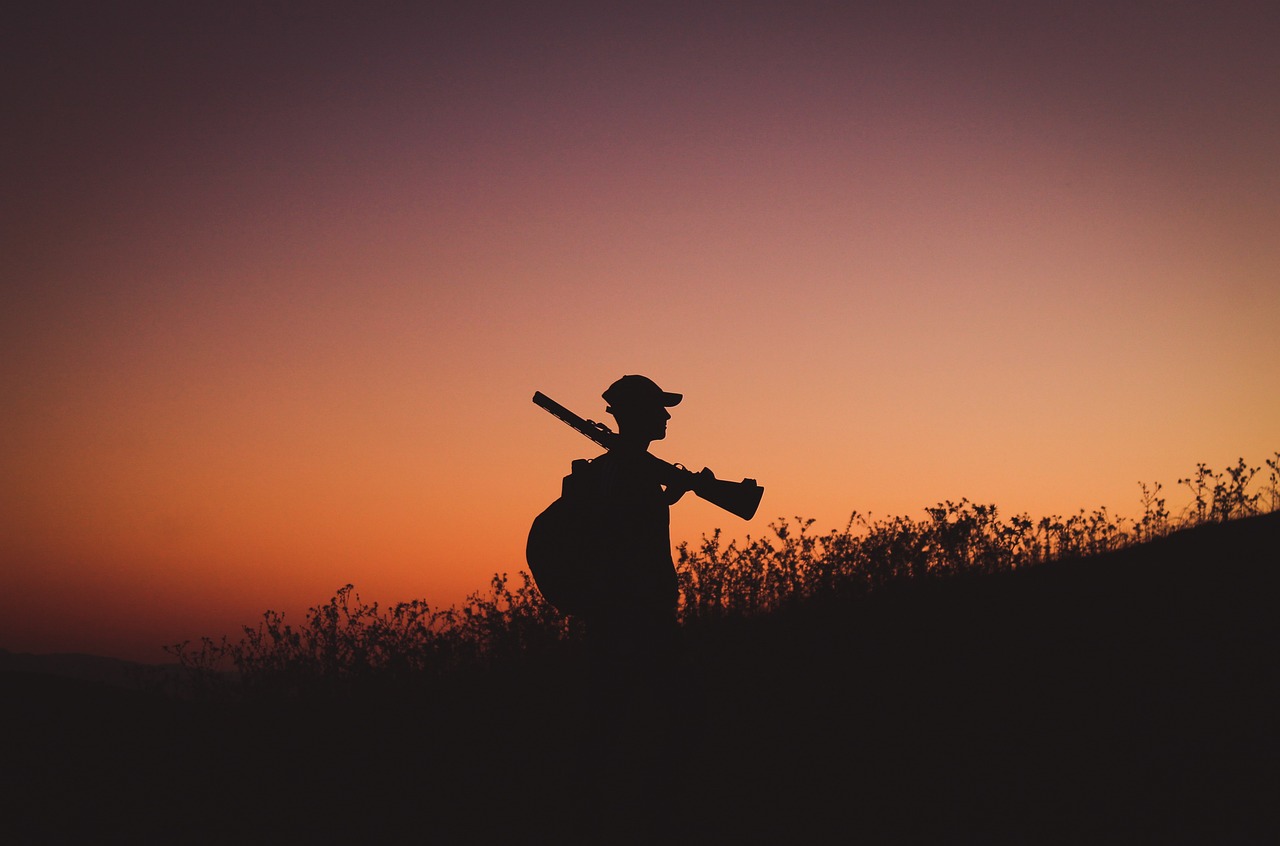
670 399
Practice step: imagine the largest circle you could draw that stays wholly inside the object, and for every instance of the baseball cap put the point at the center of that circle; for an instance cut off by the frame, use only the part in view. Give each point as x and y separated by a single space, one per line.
638 392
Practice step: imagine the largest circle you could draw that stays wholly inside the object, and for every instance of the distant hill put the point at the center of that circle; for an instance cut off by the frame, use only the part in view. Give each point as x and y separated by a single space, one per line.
75 665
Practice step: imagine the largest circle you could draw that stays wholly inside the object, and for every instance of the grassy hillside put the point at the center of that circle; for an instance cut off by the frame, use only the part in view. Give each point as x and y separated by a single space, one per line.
1128 696
1123 697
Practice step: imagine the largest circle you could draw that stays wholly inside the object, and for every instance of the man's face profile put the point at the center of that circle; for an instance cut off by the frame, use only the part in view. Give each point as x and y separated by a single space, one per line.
645 423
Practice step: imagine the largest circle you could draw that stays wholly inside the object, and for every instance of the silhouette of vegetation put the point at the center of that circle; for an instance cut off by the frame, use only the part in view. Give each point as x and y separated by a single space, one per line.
347 644
962 676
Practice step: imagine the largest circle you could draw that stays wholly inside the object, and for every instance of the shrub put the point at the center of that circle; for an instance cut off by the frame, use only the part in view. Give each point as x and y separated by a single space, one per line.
346 644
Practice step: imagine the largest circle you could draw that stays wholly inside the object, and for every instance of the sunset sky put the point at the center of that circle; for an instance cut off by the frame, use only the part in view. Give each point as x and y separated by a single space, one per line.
281 279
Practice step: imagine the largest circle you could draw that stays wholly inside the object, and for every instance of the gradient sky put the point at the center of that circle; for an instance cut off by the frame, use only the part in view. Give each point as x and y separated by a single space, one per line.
281 279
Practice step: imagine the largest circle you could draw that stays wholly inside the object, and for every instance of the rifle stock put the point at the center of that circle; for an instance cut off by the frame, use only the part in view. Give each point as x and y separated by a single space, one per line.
740 498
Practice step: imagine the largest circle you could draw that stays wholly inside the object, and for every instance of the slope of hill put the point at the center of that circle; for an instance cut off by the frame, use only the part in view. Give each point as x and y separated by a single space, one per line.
1124 698
1112 698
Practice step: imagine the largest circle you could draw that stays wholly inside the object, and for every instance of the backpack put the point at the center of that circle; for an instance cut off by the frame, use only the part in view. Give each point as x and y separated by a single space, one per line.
564 546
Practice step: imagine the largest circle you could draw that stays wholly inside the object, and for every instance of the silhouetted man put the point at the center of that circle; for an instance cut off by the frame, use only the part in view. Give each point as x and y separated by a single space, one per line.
631 617
602 553
631 613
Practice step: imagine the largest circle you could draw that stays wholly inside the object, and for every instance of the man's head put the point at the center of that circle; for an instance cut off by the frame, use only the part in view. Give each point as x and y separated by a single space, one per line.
640 407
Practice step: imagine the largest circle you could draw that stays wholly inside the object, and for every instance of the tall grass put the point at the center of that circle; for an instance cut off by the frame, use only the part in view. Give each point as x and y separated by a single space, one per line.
347 644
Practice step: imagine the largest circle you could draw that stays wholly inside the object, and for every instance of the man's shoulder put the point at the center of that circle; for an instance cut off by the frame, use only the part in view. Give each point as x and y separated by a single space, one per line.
589 467
621 461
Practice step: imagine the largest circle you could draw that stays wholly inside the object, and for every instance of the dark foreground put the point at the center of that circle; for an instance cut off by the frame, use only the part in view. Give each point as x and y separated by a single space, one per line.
1130 698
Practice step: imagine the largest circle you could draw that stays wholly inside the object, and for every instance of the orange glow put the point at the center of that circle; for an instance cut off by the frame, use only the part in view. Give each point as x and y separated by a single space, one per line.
278 324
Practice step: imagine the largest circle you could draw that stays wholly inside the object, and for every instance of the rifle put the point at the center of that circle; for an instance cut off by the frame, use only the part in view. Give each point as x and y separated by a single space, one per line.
740 498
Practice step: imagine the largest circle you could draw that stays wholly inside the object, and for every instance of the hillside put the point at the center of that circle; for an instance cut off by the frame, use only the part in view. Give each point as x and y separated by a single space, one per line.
1122 698
1114 697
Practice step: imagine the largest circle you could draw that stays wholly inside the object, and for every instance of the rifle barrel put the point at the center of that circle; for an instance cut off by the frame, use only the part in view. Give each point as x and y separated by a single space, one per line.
597 432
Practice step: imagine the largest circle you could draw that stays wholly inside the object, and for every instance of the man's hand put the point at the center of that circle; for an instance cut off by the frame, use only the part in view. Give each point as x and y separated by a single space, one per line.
681 482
